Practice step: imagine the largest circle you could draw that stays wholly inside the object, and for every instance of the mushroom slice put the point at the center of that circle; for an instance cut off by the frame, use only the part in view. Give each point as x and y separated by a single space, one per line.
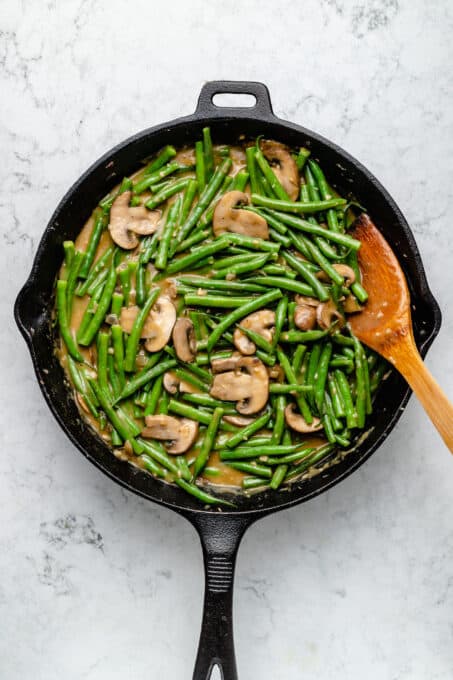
158 324
344 270
229 217
351 306
326 313
298 423
247 385
184 340
239 421
283 165
305 317
262 322
178 433
173 384
228 364
306 300
126 222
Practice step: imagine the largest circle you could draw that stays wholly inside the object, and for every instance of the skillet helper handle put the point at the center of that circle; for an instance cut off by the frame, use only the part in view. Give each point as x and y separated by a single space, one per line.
262 107
220 538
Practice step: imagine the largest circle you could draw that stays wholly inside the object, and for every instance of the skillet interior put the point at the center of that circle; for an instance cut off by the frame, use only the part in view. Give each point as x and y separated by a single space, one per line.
35 301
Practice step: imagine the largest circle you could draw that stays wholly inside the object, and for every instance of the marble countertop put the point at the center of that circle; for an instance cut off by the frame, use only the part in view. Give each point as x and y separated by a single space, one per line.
98 584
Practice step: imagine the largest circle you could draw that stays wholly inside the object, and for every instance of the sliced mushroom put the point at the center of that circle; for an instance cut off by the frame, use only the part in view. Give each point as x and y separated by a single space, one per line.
351 305
184 340
247 385
305 317
262 322
239 421
283 165
178 433
306 300
228 364
158 324
126 221
298 423
229 217
327 313
344 270
174 384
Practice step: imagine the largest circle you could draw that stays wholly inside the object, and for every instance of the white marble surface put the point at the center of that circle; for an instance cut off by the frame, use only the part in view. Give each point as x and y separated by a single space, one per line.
97 584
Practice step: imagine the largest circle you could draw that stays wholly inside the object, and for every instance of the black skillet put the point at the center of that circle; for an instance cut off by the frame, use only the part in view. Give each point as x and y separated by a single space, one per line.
220 532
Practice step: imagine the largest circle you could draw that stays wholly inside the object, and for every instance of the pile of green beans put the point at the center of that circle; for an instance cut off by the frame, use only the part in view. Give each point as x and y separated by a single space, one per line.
324 374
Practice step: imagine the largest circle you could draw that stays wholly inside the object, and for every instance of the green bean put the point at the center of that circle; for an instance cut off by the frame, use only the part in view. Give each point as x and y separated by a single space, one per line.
192 241
315 229
140 285
134 337
342 440
103 340
205 359
342 340
312 368
302 336
291 378
240 313
284 284
231 260
270 176
302 158
117 304
250 265
100 278
160 261
256 451
202 495
257 339
167 153
298 358
255 183
214 301
96 269
209 402
113 376
321 375
360 403
339 361
278 476
230 286
153 396
164 400
187 376
69 250
279 238
103 305
205 198
95 237
146 376
336 397
200 168
328 429
300 267
344 389
240 181
319 455
244 434
251 468
252 243
211 471
284 388
366 380
208 441
62 312
116 417
279 405
295 206
189 196
279 270
166 193
318 257
158 453
118 351
154 177
151 465
196 255
292 458
325 192
208 153
74 272
253 483
200 416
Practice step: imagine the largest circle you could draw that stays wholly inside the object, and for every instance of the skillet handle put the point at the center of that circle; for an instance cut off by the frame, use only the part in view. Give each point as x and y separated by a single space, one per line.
262 107
220 538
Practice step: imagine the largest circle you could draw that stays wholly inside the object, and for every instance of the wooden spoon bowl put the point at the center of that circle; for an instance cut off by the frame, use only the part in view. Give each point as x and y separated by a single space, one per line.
385 324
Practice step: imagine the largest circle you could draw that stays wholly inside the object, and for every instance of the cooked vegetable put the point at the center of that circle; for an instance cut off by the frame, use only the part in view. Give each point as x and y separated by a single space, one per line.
207 340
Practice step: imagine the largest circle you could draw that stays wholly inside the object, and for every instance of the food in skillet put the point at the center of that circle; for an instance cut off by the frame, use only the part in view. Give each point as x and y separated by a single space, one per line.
203 318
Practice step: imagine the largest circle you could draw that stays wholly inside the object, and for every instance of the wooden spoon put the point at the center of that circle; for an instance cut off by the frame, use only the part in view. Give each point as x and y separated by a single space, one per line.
385 324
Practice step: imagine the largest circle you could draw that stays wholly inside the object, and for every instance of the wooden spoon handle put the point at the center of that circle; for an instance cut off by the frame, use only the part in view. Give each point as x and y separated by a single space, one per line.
431 396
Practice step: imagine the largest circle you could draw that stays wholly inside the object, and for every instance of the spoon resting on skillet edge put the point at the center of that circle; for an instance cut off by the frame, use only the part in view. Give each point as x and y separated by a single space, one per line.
385 324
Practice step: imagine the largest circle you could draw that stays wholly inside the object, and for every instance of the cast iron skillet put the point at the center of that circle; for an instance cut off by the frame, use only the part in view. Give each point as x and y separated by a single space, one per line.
220 532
